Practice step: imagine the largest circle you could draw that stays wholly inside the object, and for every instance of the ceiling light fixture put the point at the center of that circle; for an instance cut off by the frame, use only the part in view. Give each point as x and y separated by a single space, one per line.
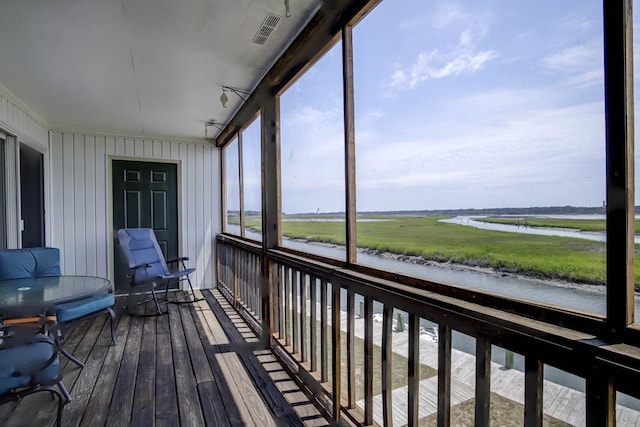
224 99
287 9
210 123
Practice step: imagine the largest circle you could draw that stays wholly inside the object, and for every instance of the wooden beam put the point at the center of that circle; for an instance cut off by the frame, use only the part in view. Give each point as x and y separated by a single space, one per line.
618 48
241 183
349 144
271 200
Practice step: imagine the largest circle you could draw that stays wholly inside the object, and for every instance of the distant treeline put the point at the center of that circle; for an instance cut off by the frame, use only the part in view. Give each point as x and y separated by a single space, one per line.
539 210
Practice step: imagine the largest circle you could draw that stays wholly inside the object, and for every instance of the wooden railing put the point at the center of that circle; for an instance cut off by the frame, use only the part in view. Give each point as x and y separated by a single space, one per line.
319 313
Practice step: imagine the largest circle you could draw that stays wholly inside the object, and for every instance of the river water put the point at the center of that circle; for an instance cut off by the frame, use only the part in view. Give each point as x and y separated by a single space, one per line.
472 221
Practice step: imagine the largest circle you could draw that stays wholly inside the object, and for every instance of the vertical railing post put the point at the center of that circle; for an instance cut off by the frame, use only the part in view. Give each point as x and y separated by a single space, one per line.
314 325
351 357
533 391
335 350
483 381
413 368
236 280
387 401
444 375
368 360
601 401
270 177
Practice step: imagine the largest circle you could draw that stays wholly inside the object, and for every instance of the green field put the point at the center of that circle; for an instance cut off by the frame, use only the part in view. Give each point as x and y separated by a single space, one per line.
548 257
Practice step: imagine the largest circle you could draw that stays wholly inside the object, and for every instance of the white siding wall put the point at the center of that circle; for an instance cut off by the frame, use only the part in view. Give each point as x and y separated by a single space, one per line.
80 199
18 119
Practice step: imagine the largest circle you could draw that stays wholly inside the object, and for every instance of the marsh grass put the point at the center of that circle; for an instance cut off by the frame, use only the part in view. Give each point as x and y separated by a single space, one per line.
503 412
545 257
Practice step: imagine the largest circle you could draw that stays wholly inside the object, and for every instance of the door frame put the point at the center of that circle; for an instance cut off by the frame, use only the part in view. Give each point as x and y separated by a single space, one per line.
111 236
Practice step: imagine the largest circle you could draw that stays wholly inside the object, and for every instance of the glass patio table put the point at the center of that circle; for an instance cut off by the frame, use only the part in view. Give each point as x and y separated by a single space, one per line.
41 294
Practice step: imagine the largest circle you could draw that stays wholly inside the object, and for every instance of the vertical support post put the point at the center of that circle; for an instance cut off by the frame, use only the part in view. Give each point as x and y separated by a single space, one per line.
323 331
303 317
368 360
223 188
387 401
288 304
413 369
351 357
601 402
336 348
314 326
349 142
483 381
236 279
270 168
295 274
444 375
533 391
241 183
618 79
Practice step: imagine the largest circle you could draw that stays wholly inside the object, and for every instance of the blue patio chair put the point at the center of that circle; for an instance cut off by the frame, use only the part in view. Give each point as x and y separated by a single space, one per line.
45 262
29 364
147 264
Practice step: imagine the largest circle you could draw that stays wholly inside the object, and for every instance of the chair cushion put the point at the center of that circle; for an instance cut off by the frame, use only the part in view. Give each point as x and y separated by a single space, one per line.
76 309
25 263
26 365
47 262
140 247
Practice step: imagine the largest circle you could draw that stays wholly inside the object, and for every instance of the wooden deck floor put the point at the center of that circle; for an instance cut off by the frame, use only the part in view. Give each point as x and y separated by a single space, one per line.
197 366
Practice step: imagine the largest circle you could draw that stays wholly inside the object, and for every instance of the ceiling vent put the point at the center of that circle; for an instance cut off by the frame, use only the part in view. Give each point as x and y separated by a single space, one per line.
268 25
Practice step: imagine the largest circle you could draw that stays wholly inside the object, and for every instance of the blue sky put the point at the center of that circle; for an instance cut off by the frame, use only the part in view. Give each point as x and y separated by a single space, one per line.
459 104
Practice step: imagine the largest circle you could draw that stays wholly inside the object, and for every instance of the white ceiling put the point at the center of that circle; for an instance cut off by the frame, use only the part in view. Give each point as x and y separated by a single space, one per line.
141 67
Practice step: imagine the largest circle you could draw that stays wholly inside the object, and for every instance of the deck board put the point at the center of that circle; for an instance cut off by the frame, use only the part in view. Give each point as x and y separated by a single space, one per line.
179 369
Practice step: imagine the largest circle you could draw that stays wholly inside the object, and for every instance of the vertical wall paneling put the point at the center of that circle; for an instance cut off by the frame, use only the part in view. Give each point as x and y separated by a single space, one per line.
79 211
199 195
67 189
12 193
90 204
18 119
81 199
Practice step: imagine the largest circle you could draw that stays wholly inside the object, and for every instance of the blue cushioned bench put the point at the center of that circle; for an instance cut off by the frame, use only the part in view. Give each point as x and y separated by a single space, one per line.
45 262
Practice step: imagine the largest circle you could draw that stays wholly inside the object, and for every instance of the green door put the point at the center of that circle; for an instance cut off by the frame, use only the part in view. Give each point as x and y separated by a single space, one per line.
145 195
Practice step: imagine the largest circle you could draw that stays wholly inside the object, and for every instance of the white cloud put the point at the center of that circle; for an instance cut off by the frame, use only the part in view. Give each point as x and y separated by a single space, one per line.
435 65
583 63
541 148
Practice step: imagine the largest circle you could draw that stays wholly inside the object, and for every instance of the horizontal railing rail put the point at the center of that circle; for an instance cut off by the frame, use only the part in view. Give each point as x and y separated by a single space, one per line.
399 346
